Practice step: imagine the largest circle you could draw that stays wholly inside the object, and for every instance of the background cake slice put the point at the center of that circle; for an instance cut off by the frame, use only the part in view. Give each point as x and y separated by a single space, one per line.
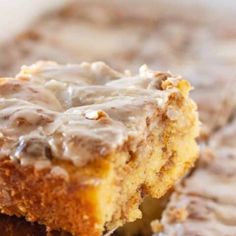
191 215
204 203
82 145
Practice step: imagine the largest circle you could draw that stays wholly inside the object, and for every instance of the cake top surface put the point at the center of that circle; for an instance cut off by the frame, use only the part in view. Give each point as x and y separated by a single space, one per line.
80 112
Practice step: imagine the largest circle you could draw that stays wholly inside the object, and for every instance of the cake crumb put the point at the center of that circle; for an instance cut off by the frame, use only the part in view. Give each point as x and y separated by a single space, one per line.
156 226
178 215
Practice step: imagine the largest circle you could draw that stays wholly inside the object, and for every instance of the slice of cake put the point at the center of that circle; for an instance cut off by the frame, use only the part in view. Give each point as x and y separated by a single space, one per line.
82 145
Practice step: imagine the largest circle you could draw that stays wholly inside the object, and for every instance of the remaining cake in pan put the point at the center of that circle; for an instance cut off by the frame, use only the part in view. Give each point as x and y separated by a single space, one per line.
82 145
189 215
205 203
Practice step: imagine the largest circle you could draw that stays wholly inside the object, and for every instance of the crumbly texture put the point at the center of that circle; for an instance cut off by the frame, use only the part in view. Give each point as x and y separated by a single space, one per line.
152 209
208 194
82 145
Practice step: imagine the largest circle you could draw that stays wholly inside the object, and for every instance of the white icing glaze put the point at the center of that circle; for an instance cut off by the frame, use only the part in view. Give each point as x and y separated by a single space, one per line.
78 112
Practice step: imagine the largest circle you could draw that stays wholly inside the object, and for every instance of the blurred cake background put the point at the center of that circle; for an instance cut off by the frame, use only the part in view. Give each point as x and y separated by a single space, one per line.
196 39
